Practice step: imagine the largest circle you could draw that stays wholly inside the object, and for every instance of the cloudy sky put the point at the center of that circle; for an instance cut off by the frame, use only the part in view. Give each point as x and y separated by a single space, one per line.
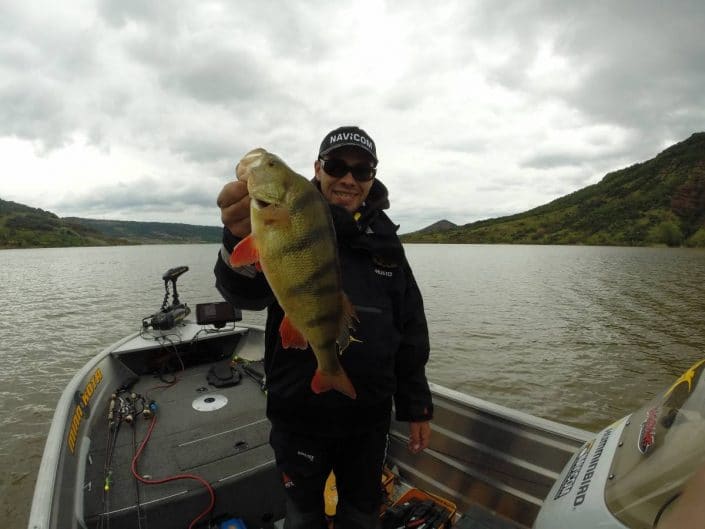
139 110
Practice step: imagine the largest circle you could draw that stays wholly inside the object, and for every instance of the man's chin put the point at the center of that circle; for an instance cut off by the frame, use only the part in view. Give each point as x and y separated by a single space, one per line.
348 203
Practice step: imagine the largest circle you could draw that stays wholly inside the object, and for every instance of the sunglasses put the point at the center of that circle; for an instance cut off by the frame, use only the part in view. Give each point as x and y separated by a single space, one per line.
338 169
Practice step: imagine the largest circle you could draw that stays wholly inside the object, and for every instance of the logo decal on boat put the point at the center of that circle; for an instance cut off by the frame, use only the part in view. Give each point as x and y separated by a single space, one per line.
82 408
687 379
590 470
572 476
647 433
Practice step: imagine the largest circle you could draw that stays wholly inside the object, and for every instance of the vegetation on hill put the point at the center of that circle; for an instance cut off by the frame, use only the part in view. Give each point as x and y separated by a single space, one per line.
26 227
152 232
658 202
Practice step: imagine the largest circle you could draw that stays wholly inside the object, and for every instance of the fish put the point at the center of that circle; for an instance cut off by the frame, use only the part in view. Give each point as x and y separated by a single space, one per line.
293 243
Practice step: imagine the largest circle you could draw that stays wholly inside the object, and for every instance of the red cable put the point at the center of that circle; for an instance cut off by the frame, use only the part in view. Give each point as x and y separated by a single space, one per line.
171 478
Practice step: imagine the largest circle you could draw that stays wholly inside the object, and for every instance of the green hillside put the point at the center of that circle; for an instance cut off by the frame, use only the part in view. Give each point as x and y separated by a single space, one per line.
657 202
22 226
152 232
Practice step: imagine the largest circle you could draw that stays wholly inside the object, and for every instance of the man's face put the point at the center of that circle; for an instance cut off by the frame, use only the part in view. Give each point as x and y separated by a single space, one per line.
345 191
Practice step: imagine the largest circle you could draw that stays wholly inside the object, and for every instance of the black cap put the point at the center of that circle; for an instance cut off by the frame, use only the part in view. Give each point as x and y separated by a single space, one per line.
348 136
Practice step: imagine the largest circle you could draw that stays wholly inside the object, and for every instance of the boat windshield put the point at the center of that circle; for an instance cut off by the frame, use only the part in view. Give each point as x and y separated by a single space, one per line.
661 446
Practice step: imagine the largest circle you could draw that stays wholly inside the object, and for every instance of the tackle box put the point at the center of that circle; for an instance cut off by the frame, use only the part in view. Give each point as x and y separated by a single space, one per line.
436 512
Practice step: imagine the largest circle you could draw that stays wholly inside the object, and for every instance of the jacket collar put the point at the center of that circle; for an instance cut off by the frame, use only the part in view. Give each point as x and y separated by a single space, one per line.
377 201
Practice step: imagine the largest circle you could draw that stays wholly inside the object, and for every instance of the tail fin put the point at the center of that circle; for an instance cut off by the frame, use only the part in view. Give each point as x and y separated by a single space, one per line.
339 381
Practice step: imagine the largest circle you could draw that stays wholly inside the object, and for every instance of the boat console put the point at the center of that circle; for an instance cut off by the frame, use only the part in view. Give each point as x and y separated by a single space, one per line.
632 473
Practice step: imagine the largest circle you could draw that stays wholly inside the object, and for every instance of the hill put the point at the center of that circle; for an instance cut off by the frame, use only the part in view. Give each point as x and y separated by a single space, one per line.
657 202
23 226
152 232
441 225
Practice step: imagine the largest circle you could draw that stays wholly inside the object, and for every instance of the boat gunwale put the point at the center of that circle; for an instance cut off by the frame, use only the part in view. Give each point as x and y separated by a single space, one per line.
512 415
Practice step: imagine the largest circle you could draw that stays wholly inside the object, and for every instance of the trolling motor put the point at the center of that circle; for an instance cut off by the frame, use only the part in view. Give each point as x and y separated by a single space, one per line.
169 315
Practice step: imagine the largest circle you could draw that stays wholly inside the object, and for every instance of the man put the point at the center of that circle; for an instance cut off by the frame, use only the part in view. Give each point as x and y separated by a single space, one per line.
313 434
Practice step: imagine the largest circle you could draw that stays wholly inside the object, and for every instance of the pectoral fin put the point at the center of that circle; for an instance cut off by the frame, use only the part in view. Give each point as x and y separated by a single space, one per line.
290 335
339 381
245 252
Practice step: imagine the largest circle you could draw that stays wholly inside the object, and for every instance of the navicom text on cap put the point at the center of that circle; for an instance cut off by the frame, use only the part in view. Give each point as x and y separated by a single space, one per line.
348 136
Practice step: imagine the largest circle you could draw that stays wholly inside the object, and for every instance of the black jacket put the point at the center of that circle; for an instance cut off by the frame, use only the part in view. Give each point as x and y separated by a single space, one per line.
389 360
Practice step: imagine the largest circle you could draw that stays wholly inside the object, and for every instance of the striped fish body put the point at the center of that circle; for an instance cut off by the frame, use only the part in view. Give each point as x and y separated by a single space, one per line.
293 242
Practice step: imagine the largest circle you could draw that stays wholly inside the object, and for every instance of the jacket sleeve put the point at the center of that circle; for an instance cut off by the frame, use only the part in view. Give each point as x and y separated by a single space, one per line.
243 287
412 400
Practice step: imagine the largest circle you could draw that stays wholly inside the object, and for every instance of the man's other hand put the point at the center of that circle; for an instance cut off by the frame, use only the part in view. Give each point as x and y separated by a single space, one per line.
419 435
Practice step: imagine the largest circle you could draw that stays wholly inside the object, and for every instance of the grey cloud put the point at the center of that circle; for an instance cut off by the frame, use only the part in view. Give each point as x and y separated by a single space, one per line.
205 149
290 135
552 160
33 113
207 71
42 47
222 76
588 156
464 143
230 56
642 62
118 13
498 185
42 67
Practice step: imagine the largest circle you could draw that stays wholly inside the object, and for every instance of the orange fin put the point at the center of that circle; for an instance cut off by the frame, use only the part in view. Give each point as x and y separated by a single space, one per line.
290 335
322 382
245 252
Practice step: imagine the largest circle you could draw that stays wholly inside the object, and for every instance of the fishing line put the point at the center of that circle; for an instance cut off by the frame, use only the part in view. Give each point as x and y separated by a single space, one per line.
113 429
124 407
140 512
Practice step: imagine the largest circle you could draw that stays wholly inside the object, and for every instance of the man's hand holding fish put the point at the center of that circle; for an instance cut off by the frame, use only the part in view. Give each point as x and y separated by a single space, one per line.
234 204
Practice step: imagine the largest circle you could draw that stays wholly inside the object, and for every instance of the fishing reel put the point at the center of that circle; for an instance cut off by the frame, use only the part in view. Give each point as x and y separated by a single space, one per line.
170 314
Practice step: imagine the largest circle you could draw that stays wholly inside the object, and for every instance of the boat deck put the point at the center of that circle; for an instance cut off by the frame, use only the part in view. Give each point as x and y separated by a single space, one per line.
495 464
227 447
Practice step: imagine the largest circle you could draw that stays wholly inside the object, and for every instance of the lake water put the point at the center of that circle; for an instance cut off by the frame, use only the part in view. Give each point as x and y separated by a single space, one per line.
581 335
